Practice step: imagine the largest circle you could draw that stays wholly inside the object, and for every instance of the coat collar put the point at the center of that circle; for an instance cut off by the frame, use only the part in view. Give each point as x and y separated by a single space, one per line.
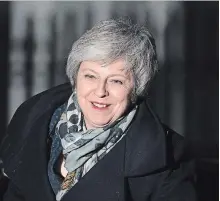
145 144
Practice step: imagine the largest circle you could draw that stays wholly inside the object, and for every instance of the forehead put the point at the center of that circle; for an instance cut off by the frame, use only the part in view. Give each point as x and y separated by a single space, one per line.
114 67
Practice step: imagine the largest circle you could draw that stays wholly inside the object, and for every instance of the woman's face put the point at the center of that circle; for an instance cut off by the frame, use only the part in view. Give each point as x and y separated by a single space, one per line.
103 93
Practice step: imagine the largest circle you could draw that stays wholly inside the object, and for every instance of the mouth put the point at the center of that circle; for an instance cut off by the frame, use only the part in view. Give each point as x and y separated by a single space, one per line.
100 106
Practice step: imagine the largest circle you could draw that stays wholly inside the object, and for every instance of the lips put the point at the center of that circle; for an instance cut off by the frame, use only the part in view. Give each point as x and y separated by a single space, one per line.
98 105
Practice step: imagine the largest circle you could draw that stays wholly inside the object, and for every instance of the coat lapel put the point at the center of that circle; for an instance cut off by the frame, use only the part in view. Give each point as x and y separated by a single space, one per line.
145 144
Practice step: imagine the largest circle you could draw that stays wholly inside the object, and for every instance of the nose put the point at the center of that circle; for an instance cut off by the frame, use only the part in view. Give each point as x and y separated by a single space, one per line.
101 89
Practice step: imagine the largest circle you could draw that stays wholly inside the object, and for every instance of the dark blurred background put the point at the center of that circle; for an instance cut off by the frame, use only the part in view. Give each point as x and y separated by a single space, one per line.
35 38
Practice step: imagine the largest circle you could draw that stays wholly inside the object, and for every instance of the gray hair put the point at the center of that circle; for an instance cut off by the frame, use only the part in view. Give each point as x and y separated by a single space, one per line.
110 40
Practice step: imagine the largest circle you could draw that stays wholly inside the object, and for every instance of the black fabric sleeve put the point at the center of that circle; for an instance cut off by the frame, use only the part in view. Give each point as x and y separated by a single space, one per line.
3 185
12 193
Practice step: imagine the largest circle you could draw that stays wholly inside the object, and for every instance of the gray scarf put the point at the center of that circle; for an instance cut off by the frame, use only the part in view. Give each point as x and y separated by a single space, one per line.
83 148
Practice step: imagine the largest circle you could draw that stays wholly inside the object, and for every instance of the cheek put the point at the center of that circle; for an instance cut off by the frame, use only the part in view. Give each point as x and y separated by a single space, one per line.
83 88
121 95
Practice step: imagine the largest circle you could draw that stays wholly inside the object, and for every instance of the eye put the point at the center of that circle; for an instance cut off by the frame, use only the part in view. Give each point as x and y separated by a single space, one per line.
89 76
117 82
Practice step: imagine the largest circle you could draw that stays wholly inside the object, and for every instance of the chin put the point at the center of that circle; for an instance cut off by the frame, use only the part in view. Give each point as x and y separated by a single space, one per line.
99 124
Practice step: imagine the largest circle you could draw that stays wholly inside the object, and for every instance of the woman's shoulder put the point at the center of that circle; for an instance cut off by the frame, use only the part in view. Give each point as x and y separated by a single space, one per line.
40 100
150 145
33 107
27 113
57 91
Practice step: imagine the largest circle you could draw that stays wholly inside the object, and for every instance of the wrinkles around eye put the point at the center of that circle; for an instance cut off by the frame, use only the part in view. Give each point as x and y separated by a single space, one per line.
89 76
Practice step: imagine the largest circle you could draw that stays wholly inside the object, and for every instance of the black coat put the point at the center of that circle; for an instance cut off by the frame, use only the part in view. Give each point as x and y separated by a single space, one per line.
146 165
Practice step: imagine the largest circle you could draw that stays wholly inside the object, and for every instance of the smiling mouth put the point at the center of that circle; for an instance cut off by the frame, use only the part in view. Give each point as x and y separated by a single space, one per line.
100 105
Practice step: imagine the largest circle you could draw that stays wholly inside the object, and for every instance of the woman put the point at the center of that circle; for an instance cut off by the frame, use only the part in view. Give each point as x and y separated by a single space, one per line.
96 138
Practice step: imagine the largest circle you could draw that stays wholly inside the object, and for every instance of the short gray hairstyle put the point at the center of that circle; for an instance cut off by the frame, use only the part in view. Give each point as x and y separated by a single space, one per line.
114 39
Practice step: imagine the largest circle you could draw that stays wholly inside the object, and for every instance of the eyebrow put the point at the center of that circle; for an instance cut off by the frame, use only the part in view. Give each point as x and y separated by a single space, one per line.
118 75
87 69
111 75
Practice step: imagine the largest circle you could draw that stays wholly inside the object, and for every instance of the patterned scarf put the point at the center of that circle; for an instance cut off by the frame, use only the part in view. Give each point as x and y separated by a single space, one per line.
83 148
